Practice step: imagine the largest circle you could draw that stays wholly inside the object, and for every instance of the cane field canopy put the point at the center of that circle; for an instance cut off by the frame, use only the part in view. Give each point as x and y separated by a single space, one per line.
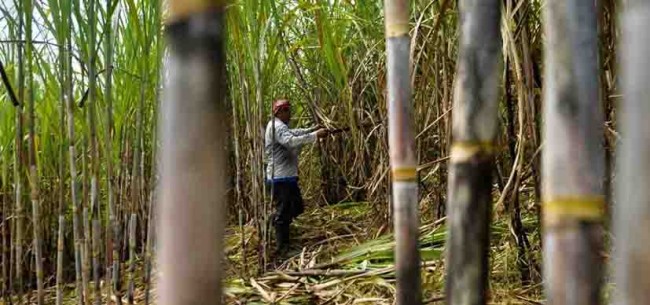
82 85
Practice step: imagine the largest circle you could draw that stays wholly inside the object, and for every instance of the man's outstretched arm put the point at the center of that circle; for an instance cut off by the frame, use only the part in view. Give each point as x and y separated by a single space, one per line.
291 139
304 131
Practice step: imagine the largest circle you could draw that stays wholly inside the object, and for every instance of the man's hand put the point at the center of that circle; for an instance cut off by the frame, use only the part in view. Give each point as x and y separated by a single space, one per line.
322 133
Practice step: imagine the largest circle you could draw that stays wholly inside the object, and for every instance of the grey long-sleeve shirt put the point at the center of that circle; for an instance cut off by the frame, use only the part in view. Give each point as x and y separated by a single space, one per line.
283 148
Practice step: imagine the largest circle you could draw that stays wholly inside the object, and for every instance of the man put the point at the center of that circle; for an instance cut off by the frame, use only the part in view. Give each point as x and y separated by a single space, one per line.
282 147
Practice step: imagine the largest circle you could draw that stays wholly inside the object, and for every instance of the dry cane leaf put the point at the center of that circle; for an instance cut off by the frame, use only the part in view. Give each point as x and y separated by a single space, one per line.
261 290
286 294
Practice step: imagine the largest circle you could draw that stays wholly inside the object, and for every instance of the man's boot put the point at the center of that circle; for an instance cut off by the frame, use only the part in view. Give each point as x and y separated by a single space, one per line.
282 240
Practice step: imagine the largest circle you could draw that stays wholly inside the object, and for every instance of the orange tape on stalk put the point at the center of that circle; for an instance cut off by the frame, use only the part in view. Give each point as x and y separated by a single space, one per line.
184 8
463 151
578 208
405 174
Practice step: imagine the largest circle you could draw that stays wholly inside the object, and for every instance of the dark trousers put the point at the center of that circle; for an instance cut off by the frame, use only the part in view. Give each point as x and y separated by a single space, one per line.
288 205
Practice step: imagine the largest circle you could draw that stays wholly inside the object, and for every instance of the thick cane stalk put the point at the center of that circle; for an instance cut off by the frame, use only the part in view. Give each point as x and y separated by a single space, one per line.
632 208
402 156
573 156
193 161
474 129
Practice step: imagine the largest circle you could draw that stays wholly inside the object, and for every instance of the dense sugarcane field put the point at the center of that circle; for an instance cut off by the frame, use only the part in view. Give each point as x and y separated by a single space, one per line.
81 122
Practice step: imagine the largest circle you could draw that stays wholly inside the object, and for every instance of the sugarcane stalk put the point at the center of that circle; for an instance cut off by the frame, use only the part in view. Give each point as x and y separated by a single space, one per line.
475 123
96 248
151 219
6 292
137 173
18 162
91 240
238 176
60 245
86 202
33 173
87 256
138 190
9 241
132 226
260 193
401 141
240 218
148 253
76 210
85 220
573 156
12 260
126 215
517 141
632 209
193 129
38 255
112 226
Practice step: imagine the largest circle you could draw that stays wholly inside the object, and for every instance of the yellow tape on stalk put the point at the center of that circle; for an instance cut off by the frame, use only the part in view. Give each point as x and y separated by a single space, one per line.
578 208
464 151
397 29
179 9
405 174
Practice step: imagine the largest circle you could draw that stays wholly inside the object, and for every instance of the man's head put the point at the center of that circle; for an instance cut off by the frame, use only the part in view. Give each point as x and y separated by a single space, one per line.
282 110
